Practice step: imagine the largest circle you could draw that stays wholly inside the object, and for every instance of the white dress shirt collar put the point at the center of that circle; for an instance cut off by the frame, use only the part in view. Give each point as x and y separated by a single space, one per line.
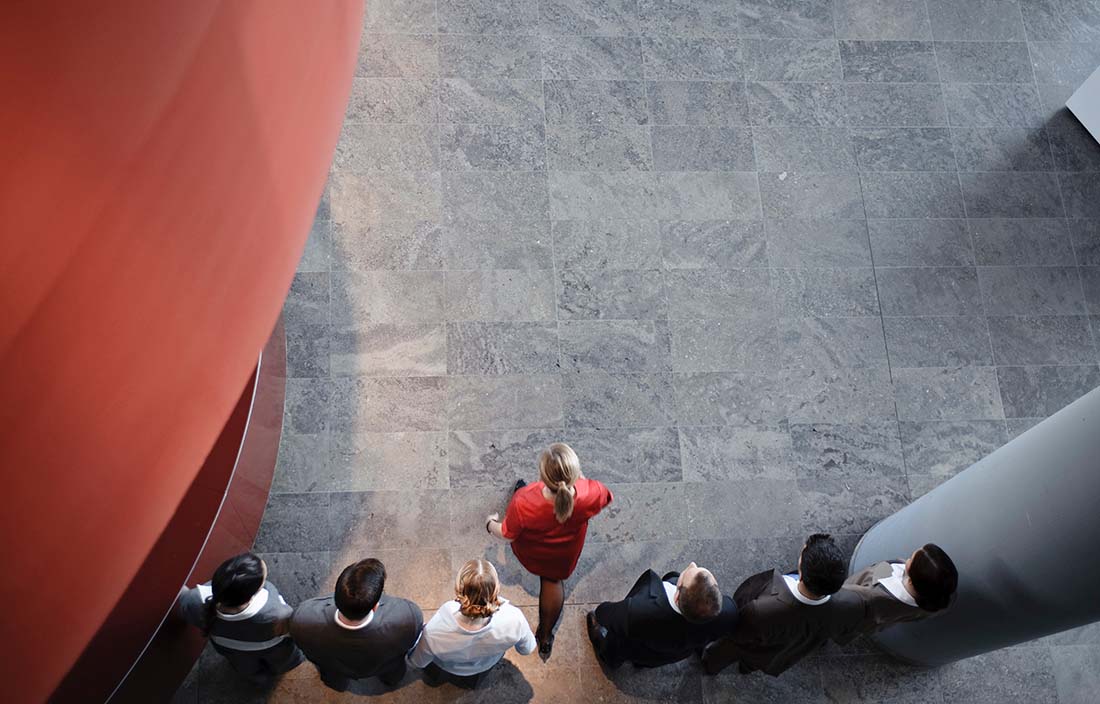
670 592
895 584
792 583
344 624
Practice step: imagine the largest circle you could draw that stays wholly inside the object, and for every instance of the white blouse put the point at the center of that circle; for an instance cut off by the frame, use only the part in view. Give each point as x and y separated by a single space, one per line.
463 652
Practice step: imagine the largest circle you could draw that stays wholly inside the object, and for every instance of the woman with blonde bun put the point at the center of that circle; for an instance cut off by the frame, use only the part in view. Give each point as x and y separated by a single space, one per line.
470 634
546 523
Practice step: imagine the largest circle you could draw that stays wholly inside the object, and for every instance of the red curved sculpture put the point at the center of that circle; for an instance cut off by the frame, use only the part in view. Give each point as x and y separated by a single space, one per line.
161 166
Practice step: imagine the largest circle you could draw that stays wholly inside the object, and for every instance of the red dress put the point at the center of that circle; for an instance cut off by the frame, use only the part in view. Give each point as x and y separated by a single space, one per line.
545 547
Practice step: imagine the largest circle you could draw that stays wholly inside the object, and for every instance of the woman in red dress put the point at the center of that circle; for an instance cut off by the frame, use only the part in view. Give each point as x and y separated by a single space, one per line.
546 523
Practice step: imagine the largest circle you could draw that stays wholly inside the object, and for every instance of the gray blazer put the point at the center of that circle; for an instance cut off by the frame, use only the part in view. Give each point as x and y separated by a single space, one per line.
376 649
883 608
775 630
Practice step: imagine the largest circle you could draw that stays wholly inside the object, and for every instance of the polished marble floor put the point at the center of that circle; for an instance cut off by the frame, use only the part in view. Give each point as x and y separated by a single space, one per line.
770 266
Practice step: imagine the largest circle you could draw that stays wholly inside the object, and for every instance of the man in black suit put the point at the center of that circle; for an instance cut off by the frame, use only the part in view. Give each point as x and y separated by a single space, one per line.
784 617
662 620
358 632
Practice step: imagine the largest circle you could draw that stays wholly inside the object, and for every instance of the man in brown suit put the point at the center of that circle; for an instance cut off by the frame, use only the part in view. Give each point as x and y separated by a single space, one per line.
786 617
895 592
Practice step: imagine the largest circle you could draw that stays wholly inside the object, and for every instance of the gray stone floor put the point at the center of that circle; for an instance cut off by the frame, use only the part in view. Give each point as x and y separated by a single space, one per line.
770 266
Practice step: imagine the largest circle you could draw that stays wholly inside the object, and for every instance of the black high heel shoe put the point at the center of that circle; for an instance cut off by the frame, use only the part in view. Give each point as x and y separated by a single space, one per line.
546 646
519 485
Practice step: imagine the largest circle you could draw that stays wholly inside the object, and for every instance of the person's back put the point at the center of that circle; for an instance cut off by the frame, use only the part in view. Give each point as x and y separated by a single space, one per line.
245 618
662 620
896 592
783 618
470 634
358 632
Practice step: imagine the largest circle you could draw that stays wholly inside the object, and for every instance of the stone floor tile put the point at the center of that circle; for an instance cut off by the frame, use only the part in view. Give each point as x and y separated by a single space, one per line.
283 529
1011 195
737 508
599 399
595 102
717 293
421 575
317 256
776 104
687 58
823 292
627 454
499 101
1071 145
817 243
1031 290
1041 391
888 61
839 504
1083 635
984 62
799 684
1081 193
384 147
371 520
803 60
307 349
736 453
606 570
1063 63
831 343
388 404
401 16
894 105
911 195
707 195
947 393
992 105
307 404
302 463
498 245
1025 673
502 348
939 341
988 20
359 199
702 18
696 148
1002 149
500 294
944 448
629 517
1059 21
867 680
621 346
394 100
729 398
881 19
921 242
806 19
1019 426
496 458
488 403
740 343
585 294
1090 282
387 297
401 461
590 17
307 302
384 55
904 148
388 245
1076 673
484 56
781 149
718 103
847 451
1020 242
492 148
912 291
611 147
302 575
388 349
606 244
488 16
1064 339
722 244
495 196
572 57
596 195
837 395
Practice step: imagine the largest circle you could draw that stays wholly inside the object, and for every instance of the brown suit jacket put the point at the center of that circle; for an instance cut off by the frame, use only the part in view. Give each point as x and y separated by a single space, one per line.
775 630
883 608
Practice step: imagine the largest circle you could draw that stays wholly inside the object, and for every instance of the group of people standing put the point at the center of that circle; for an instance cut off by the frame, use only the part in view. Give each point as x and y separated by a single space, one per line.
773 619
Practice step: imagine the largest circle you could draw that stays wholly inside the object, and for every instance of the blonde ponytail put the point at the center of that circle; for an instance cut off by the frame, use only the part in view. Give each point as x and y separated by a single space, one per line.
559 470
477 589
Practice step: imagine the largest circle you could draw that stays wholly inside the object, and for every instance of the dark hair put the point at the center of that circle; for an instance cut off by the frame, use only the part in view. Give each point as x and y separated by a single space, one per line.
934 577
701 600
234 582
823 565
360 587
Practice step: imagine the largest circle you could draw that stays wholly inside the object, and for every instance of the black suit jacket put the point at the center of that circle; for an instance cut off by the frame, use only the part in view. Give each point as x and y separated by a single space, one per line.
644 628
373 650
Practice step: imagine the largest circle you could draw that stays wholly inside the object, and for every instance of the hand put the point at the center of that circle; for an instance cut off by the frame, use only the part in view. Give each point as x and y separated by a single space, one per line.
494 517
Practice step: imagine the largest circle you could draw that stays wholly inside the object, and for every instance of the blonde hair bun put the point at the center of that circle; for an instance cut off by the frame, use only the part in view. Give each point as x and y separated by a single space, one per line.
477 589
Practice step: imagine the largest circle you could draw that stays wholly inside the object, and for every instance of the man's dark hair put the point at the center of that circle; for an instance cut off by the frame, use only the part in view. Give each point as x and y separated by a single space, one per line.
934 577
234 583
823 565
359 588
701 600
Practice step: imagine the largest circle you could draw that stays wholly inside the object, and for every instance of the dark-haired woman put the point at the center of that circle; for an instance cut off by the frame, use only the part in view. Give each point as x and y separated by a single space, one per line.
897 592
546 523
245 618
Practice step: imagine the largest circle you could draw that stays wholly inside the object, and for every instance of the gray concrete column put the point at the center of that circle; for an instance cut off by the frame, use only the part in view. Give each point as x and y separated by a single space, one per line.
1023 528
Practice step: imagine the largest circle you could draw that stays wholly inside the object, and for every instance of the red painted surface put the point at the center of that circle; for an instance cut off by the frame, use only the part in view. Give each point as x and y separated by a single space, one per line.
161 165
